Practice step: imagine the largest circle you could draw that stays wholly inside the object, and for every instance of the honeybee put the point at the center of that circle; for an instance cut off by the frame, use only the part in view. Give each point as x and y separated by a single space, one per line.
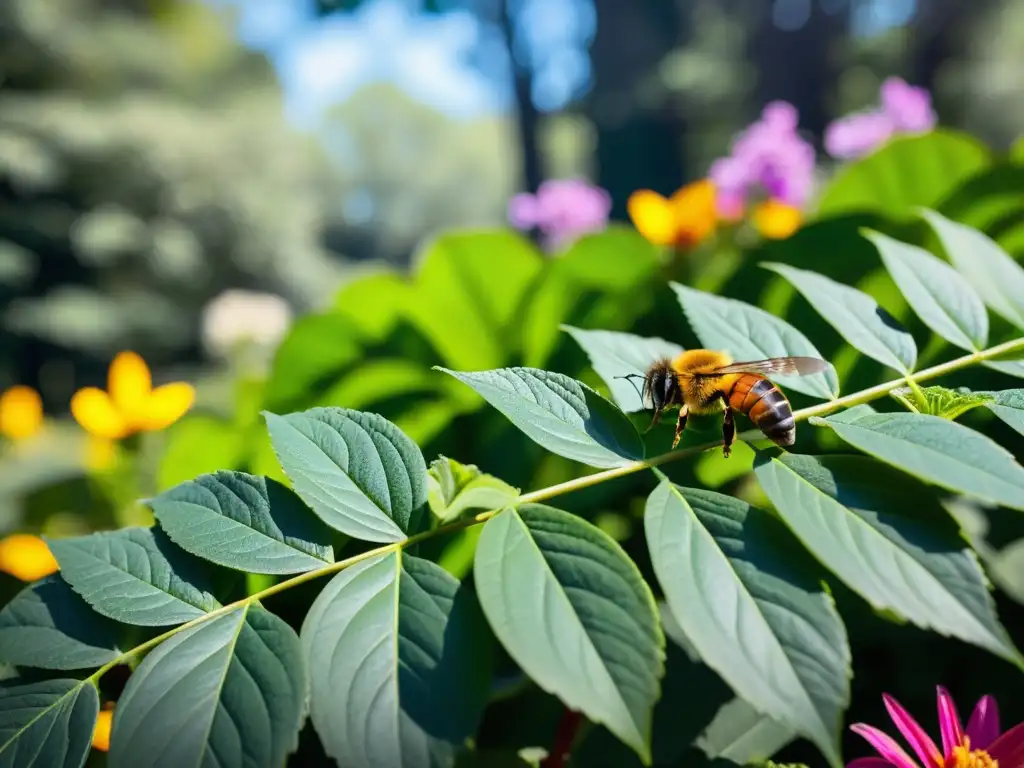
704 381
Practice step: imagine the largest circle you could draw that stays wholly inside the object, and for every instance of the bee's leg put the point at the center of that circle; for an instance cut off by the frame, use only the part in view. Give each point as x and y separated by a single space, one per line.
654 421
728 432
680 425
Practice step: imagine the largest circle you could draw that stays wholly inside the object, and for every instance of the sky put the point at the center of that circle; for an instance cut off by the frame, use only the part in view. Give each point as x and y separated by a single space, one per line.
453 61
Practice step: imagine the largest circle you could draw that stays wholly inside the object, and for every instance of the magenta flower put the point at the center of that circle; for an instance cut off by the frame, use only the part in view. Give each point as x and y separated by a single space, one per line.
905 109
979 746
769 157
562 210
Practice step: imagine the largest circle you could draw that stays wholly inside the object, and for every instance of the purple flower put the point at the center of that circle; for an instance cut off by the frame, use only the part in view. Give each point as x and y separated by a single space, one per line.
905 109
769 156
857 135
562 210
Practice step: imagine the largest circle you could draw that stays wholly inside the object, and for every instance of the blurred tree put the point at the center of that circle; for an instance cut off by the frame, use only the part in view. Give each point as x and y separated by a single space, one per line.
145 166
640 133
405 169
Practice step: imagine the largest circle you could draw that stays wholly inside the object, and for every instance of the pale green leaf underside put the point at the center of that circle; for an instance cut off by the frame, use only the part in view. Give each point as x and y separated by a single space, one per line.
454 488
398 677
229 691
614 354
1009 406
743 735
768 629
135 575
48 626
561 414
997 278
47 724
749 333
574 612
359 472
242 521
888 538
939 295
855 316
939 451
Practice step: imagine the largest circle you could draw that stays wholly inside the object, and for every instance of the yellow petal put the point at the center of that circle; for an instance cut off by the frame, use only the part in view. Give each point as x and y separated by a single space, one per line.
26 557
129 384
101 733
695 212
95 412
776 220
653 217
21 413
166 405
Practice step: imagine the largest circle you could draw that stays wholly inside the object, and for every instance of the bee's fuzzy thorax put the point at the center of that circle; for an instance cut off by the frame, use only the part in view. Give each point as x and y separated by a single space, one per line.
699 361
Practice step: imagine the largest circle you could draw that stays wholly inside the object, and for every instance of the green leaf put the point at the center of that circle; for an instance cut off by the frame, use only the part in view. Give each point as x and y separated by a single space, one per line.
313 355
604 274
749 333
47 724
1008 405
359 472
907 172
943 300
575 614
743 735
47 625
374 303
199 444
453 488
997 278
561 414
855 316
467 314
241 521
938 451
753 606
402 664
942 402
889 539
1009 367
614 355
135 575
229 691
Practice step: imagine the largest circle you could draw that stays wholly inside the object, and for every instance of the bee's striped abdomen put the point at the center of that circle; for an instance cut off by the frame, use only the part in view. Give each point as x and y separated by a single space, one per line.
766 406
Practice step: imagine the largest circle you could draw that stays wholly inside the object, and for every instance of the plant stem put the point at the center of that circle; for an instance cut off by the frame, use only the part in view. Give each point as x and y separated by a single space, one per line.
560 489
568 726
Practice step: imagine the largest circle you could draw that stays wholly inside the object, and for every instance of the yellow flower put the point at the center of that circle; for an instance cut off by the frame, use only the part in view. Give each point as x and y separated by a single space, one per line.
776 220
131 404
26 557
101 733
21 413
681 221
100 453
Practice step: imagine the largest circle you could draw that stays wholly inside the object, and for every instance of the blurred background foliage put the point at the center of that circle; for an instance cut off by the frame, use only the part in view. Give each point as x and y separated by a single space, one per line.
355 160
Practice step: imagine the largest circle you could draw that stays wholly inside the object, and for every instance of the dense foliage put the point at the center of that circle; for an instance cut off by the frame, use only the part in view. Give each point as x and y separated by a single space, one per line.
695 610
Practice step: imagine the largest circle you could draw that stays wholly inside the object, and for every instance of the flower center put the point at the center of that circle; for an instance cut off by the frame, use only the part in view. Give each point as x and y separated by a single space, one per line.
965 757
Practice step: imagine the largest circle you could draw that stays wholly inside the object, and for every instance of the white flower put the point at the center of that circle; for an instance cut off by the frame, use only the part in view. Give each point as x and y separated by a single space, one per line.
236 317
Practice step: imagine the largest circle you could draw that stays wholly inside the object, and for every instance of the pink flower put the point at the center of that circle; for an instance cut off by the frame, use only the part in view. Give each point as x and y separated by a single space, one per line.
905 109
857 135
562 210
979 746
769 157
909 107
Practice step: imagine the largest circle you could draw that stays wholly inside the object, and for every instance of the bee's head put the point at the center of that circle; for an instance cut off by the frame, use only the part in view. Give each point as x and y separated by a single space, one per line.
661 388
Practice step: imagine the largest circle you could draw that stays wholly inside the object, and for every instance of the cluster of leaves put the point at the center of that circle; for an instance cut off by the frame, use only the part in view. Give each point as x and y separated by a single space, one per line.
394 663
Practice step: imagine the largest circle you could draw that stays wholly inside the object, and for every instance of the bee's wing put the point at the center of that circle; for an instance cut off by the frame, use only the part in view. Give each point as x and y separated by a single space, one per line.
778 366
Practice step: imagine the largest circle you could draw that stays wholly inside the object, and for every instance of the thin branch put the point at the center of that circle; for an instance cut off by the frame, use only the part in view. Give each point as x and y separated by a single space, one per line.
857 398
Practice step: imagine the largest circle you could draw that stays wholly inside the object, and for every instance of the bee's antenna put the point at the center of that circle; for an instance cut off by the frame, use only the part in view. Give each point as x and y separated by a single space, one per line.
629 377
